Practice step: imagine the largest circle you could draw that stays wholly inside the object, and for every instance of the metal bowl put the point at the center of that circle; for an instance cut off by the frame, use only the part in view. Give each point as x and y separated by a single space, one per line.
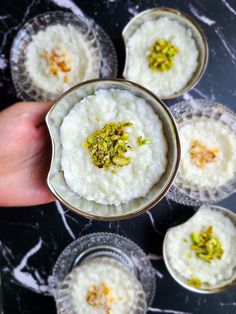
191 110
186 21
180 279
90 209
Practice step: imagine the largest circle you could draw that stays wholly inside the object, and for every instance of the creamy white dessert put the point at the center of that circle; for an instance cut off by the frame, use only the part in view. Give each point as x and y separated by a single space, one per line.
113 147
103 286
164 68
59 57
208 153
202 250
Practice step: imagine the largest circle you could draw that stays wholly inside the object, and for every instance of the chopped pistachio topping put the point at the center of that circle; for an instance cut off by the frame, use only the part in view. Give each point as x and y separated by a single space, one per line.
58 62
201 155
141 141
206 245
161 55
108 145
185 240
194 282
100 297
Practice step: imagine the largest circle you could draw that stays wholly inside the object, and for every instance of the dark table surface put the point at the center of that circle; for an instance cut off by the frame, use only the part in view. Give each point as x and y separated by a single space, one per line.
32 238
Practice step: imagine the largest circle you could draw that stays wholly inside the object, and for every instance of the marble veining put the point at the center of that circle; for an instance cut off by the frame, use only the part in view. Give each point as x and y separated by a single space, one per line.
156 310
201 17
153 223
62 213
68 4
229 7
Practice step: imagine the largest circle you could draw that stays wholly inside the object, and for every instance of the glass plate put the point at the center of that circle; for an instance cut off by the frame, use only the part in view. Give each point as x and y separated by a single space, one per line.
182 192
108 245
99 42
66 297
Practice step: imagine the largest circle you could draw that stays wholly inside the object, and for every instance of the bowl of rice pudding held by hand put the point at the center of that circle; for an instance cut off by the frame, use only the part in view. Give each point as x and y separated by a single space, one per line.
115 149
53 52
207 171
170 50
200 254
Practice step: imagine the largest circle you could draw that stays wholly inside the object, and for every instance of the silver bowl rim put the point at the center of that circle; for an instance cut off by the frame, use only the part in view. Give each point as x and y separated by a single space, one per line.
173 273
194 80
171 179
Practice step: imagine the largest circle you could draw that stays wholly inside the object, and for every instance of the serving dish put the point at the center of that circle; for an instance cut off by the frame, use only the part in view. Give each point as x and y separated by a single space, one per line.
186 21
184 112
100 245
101 296
56 181
206 289
96 36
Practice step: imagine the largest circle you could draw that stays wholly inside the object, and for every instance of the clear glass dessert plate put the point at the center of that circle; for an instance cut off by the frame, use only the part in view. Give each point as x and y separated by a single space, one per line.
106 59
66 299
206 289
104 245
186 21
91 209
184 112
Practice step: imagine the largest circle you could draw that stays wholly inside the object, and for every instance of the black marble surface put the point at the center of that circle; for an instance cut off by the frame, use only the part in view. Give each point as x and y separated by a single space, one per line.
32 238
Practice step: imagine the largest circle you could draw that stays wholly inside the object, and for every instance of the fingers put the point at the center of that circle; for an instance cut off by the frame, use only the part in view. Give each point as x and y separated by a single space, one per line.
34 111
39 112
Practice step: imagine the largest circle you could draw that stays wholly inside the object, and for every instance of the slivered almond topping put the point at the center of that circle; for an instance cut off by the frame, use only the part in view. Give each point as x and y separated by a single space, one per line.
100 297
58 62
201 155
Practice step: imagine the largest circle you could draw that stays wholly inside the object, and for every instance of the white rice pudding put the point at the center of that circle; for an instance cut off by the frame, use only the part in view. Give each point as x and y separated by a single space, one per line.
217 139
165 83
102 286
148 162
183 259
60 57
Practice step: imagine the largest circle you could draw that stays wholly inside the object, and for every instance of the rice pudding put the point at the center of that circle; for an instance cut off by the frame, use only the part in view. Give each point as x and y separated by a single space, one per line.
113 147
208 158
60 57
166 54
103 286
202 250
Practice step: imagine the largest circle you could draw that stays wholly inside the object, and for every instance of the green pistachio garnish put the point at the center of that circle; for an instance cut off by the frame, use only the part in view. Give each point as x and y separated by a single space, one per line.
108 145
206 245
194 282
161 55
141 141
185 240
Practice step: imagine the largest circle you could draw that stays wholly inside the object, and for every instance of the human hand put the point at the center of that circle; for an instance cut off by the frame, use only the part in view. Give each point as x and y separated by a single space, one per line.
25 152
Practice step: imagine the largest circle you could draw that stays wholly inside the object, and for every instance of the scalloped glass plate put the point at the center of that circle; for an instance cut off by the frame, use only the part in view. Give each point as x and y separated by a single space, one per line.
181 191
66 297
105 59
112 245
